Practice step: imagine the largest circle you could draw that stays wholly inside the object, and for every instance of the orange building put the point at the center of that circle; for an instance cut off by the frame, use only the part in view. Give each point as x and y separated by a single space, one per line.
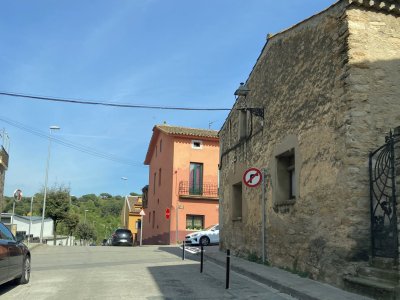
130 215
183 180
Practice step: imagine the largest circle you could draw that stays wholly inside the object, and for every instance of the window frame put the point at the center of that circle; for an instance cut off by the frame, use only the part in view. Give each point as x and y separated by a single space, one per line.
285 171
199 147
193 216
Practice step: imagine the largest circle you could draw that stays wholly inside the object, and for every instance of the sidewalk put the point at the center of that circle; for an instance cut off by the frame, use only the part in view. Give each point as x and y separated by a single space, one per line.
286 282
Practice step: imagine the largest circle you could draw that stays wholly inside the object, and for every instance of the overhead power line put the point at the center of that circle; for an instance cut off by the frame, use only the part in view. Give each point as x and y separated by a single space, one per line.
78 147
113 104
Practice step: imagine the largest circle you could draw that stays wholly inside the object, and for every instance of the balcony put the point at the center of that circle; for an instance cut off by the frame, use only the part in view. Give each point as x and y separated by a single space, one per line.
204 191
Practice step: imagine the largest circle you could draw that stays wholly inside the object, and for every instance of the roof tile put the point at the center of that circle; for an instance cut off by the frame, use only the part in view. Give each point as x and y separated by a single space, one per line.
176 130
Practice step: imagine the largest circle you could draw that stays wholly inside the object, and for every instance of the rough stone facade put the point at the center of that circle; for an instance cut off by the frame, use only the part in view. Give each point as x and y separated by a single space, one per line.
3 168
329 89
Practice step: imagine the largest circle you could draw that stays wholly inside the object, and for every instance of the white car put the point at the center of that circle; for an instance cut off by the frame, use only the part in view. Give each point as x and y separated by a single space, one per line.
210 235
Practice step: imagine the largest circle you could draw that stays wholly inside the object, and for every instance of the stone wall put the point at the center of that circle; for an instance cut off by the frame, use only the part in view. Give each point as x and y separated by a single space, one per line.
328 83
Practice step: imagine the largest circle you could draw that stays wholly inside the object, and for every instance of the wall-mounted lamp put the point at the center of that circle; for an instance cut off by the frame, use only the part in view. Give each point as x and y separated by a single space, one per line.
243 90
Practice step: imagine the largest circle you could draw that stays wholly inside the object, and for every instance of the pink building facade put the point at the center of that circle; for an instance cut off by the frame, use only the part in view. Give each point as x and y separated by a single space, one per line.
183 182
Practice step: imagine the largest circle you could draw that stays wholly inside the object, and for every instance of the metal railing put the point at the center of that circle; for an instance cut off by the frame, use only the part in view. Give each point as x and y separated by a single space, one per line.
206 189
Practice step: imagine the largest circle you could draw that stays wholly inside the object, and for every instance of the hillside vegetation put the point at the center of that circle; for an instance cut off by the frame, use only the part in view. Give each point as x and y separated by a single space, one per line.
102 212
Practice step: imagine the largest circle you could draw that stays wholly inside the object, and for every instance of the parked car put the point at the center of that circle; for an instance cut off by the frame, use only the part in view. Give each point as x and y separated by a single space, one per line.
205 237
15 258
122 237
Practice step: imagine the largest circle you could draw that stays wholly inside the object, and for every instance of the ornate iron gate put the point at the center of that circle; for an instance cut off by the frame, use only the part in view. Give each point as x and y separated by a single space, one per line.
382 170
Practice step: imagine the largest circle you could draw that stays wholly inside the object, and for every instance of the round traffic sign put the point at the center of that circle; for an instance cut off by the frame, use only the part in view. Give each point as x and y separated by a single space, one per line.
167 213
252 177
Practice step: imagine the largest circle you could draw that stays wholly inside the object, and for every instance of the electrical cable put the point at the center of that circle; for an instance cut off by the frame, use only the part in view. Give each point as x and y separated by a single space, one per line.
113 104
78 147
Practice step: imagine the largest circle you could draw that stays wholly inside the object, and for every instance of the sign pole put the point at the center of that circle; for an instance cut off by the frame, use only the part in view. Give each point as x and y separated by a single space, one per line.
263 217
141 229
142 213
12 216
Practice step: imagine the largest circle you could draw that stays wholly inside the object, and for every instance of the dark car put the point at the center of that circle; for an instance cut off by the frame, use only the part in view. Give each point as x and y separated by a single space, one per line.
122 237
15 258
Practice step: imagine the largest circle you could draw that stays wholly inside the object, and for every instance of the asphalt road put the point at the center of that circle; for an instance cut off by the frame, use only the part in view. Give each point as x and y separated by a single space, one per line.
148 272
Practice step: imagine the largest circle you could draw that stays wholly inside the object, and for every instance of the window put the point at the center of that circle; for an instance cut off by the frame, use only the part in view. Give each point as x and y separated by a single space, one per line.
196 144
159 176
154 217
194 222
237 200
5 234
149 217
156 151
160 146
286 176
196 179
285 173
154 188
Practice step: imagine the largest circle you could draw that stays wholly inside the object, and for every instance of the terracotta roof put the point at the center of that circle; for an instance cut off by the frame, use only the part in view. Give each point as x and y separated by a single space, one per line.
176 130
132 201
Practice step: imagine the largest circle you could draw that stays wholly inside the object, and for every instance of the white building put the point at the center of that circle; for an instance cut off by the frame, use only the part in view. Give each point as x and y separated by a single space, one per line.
22 224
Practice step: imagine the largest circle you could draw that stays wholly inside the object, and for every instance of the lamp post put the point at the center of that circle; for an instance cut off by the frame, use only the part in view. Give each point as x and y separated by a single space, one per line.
45 182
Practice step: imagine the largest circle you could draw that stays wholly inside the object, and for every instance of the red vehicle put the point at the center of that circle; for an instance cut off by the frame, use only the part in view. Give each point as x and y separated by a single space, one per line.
15 258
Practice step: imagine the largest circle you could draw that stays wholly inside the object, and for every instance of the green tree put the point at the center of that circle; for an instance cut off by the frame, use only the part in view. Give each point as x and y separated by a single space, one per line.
85 232
57 206
71 222
88 197
105 196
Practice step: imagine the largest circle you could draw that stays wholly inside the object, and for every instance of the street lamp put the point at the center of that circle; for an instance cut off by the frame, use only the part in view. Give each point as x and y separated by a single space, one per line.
45 182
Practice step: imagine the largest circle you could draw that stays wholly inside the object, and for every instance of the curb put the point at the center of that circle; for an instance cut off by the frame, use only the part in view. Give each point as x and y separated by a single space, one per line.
276 285
303 290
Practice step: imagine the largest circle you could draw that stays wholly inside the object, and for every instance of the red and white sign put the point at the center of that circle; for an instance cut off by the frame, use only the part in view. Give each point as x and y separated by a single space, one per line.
167 213
142 213
252 177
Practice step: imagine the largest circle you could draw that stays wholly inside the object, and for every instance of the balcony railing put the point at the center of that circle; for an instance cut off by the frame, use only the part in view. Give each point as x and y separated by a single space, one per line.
205 190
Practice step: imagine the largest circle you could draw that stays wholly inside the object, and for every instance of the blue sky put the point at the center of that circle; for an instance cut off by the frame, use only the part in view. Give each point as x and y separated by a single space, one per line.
152 52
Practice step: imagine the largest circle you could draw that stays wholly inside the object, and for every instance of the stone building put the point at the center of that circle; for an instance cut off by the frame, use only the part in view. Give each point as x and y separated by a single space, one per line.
321 96
3 164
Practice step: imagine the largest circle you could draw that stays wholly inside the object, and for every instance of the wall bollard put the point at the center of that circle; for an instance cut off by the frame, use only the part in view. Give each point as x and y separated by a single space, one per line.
228 267
201 258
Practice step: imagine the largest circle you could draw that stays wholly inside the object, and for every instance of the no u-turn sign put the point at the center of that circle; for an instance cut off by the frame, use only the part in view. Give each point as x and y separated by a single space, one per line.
252 177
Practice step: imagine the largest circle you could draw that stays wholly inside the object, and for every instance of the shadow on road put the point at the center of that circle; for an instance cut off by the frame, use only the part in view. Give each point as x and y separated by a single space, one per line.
4 288
185 282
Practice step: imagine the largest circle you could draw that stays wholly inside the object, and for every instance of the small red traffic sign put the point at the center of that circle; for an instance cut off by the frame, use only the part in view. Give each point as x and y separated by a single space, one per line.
252 177
167 213
142 213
